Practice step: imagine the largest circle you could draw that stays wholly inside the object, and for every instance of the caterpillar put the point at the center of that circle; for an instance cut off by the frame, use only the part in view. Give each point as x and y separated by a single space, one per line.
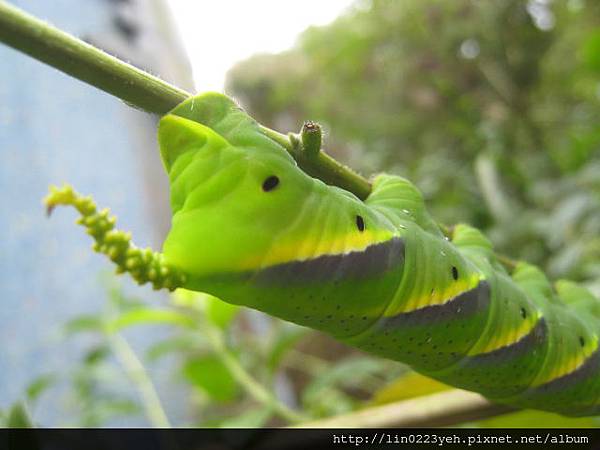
253 229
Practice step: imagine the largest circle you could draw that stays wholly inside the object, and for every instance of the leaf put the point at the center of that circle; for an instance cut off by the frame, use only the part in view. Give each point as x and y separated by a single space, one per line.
359 367
180 344
217 311
220 313
323 395
408 386
286 340
211 376
39 385
18 417
328 402
149 315
84 323
189 299
590 52
118 407
255 418
103 411
96 355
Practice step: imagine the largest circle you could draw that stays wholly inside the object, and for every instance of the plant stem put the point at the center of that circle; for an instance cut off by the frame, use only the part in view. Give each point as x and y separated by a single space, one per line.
253 387
74 57
436 410
137 373
87 63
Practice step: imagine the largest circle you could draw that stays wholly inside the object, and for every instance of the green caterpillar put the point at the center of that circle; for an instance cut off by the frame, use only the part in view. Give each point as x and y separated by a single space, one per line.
253 229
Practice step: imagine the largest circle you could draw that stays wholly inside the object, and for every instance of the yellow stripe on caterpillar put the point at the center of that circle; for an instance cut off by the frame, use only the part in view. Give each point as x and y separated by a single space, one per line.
438 296
314 247
572 363
510 337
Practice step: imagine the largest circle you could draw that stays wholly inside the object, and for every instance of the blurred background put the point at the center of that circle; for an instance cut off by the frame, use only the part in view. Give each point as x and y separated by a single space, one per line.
490 108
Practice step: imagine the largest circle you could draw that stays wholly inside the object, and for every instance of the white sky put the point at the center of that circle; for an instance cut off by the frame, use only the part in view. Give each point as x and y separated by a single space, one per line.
218 33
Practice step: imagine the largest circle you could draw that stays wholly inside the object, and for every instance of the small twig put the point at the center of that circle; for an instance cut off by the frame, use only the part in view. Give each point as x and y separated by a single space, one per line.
442 409
87 63
135 371
253 387
74 57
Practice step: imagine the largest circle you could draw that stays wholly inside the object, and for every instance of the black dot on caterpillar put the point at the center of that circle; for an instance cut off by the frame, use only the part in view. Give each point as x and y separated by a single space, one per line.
270 183
454 272
360 223
581 341
523 313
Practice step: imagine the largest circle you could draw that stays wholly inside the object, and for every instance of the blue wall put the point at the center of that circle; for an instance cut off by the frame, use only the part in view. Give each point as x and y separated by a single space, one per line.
55 129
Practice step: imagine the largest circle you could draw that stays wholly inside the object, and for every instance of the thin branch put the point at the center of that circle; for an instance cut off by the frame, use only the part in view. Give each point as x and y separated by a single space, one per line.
443 409
252 387
74 57
137 374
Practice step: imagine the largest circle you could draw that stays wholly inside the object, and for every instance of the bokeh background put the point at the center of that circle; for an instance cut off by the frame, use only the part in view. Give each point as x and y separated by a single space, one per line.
491 108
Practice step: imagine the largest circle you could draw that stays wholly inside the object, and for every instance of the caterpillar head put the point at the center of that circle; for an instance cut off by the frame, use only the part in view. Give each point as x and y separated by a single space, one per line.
232 188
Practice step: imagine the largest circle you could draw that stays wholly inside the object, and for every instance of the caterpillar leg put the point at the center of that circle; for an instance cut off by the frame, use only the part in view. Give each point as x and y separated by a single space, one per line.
144 265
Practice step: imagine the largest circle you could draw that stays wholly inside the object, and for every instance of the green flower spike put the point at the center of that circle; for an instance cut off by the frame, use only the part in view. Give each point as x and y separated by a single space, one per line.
144 265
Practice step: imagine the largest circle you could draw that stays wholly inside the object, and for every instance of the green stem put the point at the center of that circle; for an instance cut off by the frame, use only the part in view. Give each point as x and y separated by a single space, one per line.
136 372
253 387
74 57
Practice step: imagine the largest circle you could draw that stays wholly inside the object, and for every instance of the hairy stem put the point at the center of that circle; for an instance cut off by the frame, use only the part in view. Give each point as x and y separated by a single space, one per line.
74 57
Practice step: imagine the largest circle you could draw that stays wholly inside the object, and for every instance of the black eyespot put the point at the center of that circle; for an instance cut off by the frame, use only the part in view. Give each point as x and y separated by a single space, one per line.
270 183
523 313
360 223
581 341
454 273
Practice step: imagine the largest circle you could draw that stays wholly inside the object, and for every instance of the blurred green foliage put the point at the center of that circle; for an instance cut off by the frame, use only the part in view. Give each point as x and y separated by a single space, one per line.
490 107
237 368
